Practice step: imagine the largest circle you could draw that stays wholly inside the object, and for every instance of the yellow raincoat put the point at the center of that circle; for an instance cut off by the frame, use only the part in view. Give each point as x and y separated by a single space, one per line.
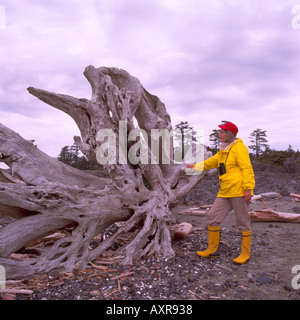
239 174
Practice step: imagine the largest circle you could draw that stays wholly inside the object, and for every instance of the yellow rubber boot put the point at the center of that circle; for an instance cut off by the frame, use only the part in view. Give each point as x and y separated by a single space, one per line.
213 243
245 248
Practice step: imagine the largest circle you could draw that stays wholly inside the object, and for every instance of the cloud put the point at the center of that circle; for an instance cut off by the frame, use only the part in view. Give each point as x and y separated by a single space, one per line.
206 60
50 134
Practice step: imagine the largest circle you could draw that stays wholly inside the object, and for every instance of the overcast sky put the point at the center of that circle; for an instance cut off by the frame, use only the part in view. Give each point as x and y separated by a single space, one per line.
207 60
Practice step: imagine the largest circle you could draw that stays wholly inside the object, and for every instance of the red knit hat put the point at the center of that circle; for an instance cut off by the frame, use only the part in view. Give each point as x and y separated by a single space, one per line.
230 126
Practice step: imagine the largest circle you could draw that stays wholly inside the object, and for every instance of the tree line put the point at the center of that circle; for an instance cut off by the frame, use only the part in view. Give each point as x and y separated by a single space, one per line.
184 137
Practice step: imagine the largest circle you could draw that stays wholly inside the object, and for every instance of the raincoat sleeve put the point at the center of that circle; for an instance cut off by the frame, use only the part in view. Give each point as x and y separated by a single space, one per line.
208 164
244 163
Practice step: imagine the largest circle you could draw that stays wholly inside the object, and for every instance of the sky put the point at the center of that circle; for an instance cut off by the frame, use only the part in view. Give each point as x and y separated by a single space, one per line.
207 60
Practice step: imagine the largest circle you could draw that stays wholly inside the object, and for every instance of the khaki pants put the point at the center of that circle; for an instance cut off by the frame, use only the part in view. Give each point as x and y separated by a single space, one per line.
221 208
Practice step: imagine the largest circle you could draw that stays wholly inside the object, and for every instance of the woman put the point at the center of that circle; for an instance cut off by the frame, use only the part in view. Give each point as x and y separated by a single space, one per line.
236 189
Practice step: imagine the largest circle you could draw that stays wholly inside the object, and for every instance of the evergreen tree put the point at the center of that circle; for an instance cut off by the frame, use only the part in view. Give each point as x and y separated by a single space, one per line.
70 155
258 138
215 138
65 156
75 154
185 136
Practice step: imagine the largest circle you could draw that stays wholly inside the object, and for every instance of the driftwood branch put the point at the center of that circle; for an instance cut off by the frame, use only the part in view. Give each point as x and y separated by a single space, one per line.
295 196
268 215
15 291
46 196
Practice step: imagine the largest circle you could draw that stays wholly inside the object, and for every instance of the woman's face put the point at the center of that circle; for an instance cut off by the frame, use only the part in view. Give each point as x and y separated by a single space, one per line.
223 135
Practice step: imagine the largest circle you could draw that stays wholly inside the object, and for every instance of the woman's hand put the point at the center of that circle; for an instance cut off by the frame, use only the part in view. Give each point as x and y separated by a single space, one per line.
248 195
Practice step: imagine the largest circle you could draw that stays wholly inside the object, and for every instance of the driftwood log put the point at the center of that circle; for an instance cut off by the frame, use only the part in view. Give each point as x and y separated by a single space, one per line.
268 215
182 230
46 196
295 197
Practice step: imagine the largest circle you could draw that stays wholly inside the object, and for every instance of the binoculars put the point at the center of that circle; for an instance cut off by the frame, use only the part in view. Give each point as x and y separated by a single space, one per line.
221 169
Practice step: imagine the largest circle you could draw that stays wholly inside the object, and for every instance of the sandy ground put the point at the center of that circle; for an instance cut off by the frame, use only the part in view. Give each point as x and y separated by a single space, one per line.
267 276
275 249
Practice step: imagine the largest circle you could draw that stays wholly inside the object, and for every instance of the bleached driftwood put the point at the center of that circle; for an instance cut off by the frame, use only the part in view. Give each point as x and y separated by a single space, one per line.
193 212
183 230
268 215
256 197
296 197
271 195
16 291
45 195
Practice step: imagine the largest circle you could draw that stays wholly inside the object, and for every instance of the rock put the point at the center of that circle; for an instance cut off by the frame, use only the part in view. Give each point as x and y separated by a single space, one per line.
290 165
266 167
291 186
296 209
263 280
288 287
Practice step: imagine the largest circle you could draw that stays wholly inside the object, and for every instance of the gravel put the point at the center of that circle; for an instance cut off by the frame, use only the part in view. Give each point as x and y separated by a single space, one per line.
186 276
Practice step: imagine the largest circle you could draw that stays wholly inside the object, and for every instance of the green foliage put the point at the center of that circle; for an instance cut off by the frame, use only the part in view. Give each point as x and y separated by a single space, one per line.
212 150
258 138
275 157
184 138
71 156
214 137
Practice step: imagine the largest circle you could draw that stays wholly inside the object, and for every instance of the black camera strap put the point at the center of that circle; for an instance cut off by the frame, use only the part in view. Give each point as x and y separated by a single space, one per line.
222 170
227 156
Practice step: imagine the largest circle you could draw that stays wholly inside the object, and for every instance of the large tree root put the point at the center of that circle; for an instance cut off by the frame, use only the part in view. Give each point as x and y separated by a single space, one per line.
46 196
